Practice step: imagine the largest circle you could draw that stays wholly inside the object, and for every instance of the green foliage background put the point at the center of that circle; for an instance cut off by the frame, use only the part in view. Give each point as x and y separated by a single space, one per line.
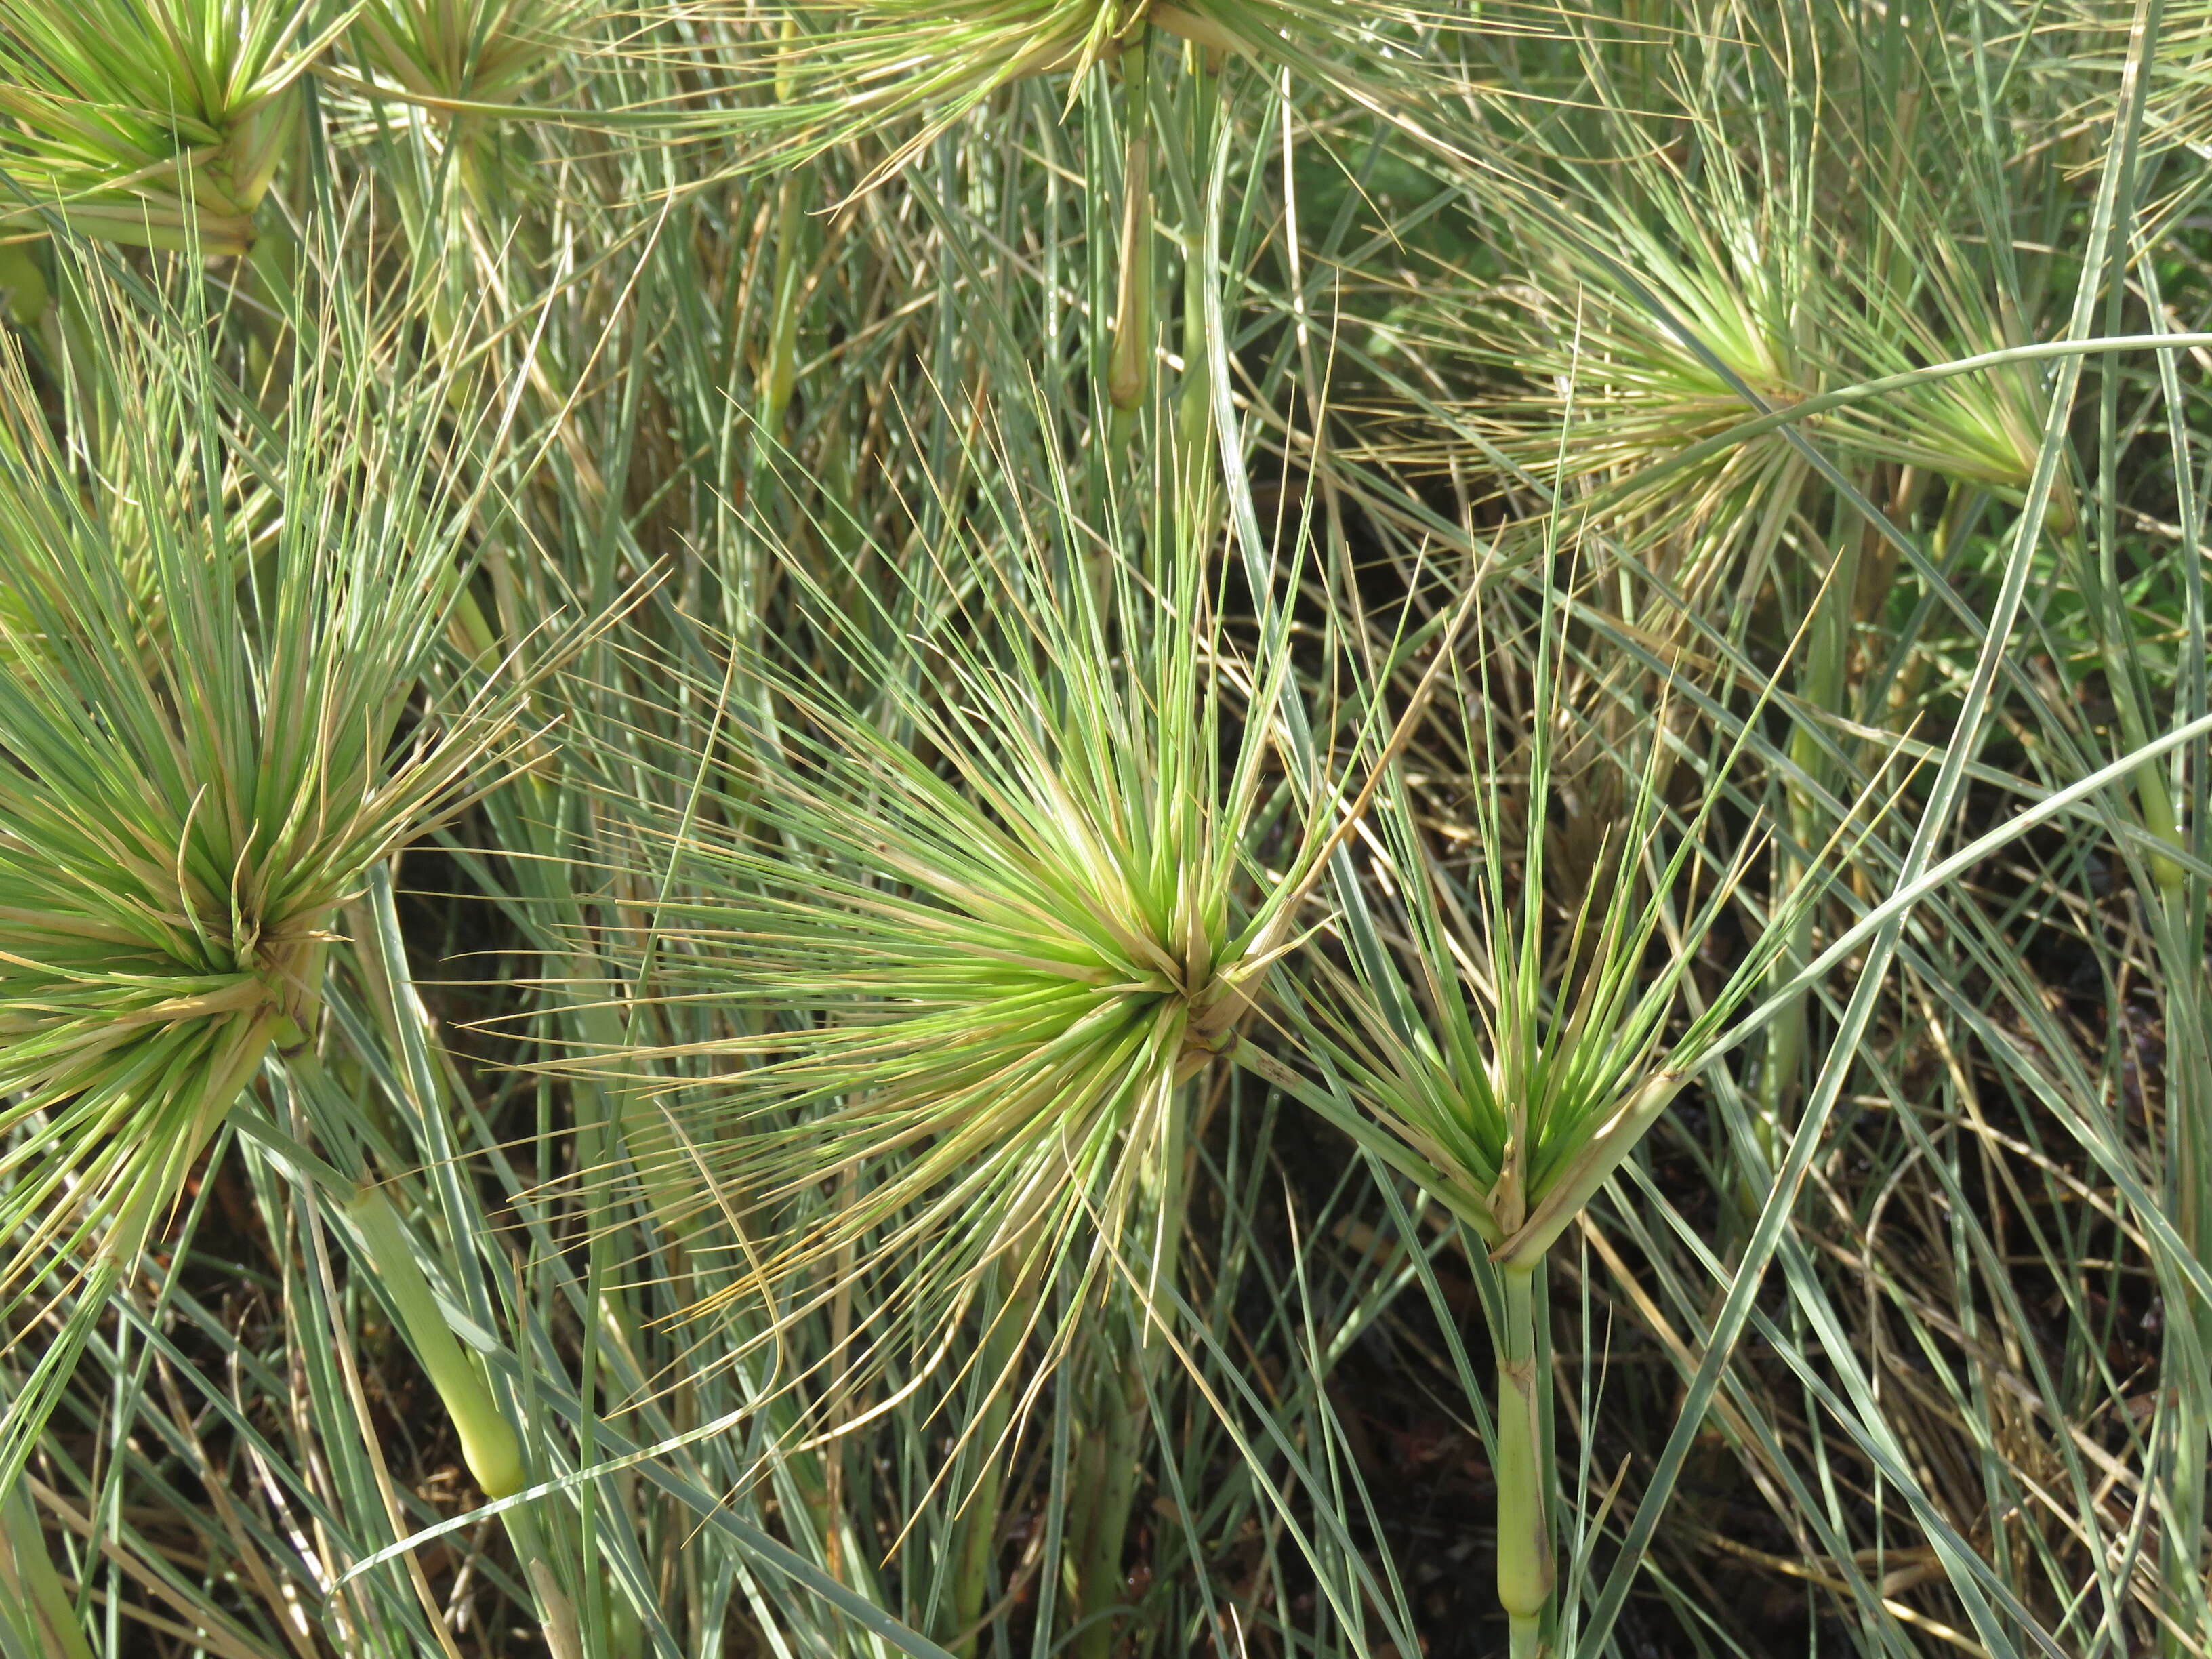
847 827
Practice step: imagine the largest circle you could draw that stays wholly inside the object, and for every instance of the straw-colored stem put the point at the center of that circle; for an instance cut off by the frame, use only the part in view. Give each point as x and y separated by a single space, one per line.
1199 31
1524 1535
839 1406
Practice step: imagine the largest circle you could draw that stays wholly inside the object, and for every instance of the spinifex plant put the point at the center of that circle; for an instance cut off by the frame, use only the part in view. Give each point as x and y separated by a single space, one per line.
1512 1062
849 69
156 123
981 904
983 923
210 701
904 72
458 70
1595 327
450 53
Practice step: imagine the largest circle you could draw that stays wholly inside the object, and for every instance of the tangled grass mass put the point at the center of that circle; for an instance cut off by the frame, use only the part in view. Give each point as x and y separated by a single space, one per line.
1105 829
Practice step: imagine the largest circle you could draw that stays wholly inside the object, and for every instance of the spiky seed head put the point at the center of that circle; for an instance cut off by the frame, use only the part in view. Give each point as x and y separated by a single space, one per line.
154 123
1512 1093
461 52
907 70
214 634
965 912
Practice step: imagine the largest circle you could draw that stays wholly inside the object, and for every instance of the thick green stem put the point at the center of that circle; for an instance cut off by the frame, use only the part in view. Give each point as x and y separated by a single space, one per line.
2151 791
2116 651
2186 1359
624 1104
1131 1366
779 371
1128 369
1195 415
1524 1532
1098 1568
976 1530
488 1444
978 1535
1822 688
23 284
2180 1558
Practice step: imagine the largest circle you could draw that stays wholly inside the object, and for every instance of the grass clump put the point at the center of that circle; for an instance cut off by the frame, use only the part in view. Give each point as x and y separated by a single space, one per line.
156 125
975 893
212 684
1199 978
